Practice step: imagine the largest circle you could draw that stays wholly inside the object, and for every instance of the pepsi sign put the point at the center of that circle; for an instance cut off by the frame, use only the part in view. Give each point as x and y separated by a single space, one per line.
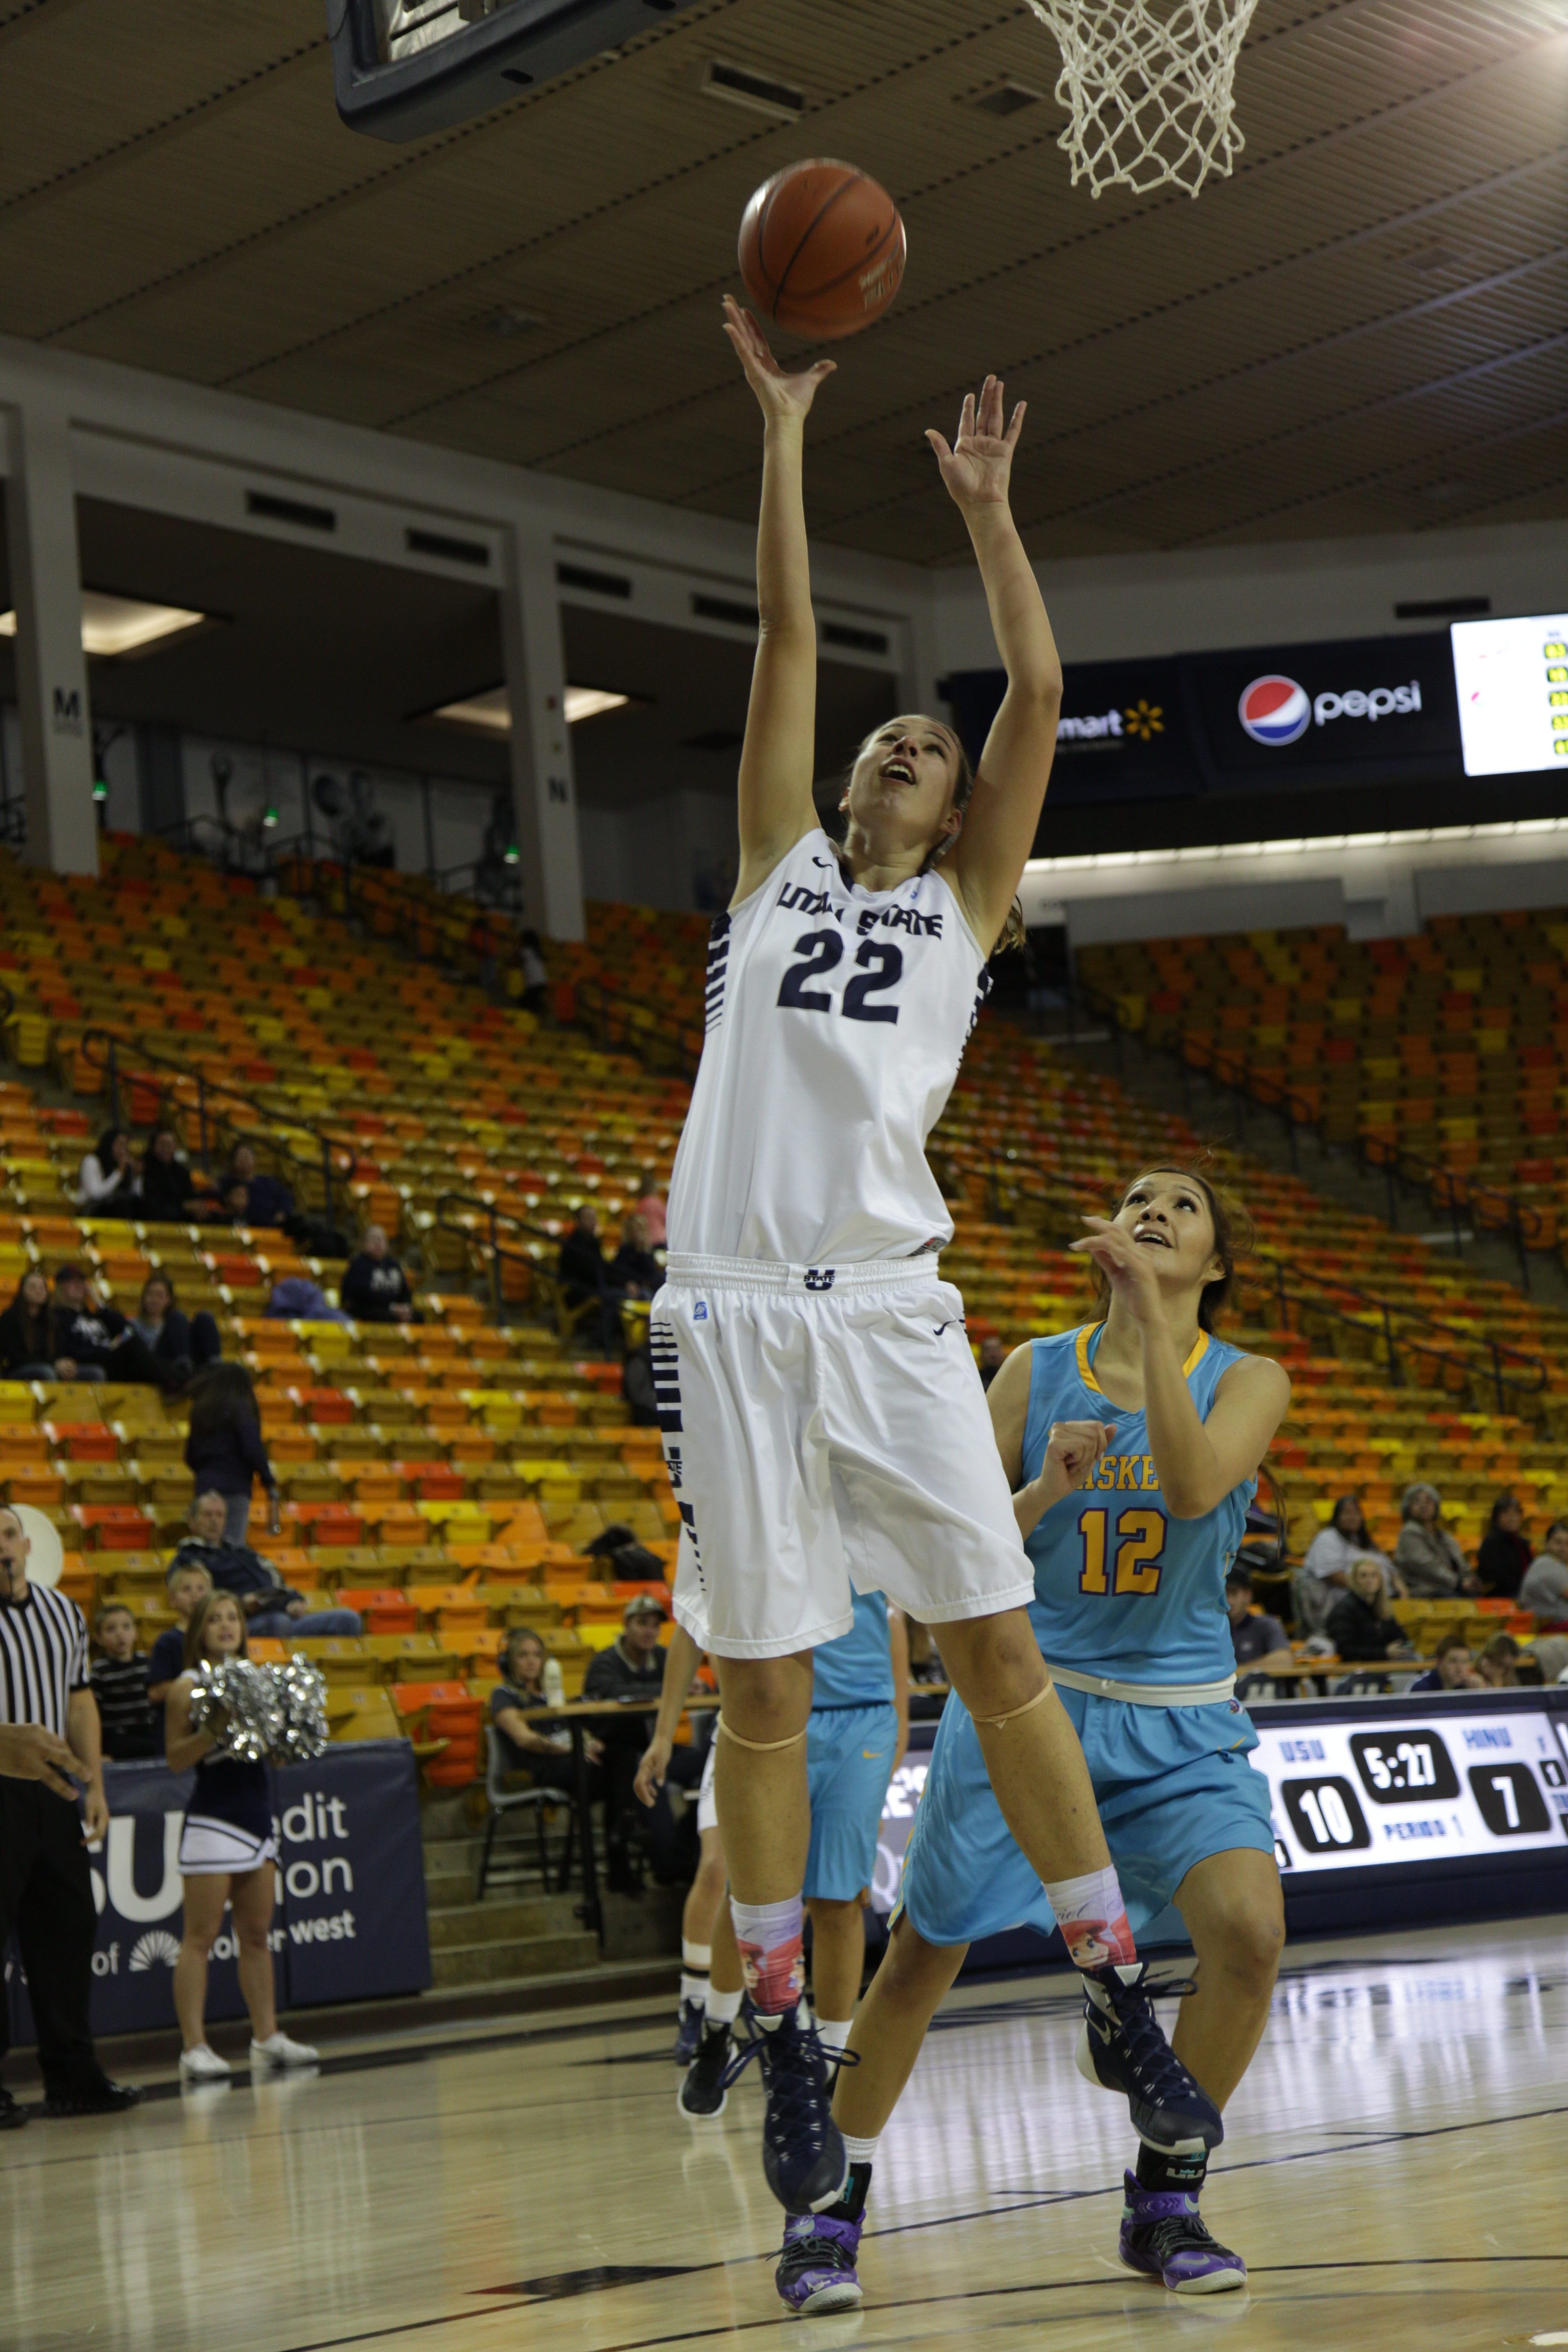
1273 710
1384 707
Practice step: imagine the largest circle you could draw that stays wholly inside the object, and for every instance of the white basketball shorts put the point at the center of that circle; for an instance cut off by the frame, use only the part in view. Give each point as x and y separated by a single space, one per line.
825 1428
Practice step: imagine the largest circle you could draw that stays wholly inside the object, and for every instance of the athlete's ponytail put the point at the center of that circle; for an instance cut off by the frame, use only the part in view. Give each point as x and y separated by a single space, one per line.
1233 1236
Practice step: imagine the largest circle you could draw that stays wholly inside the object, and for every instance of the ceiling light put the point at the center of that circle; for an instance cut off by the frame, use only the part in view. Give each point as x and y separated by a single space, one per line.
490 713
120 627
1006 98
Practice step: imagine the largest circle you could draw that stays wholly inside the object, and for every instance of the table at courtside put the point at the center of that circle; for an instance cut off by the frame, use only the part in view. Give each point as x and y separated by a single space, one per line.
577 1716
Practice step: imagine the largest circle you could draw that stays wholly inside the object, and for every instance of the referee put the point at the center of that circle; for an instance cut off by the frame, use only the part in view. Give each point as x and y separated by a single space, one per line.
45 1887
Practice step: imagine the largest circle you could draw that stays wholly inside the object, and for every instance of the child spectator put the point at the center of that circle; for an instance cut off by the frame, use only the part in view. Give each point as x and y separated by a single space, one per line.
1544 1589
96 1343
224 1450
1362 1625
170 1195
26 1332
133 1726
271 1608
188 1582
1506 1551
1498 1664
178 1345
1426 1556
374 1289
1258 1642
1450 1669
107 1179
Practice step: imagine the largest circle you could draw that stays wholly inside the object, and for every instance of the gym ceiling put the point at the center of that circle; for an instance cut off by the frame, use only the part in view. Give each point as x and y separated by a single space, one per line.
1363 330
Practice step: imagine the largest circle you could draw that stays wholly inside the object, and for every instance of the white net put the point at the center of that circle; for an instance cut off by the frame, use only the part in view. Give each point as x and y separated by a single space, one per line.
1149 88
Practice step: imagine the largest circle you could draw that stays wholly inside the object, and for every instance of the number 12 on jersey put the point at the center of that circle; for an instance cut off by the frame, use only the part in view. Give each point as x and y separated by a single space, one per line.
1137 1565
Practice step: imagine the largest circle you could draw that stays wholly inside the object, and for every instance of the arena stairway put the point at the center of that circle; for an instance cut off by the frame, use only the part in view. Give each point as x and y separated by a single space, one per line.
517 1931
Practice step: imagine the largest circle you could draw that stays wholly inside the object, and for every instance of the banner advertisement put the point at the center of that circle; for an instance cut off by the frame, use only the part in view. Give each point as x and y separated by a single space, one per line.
350 1923
1123 734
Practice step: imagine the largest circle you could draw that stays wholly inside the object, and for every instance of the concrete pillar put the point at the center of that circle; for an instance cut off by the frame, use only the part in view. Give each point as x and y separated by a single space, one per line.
51 670
545 796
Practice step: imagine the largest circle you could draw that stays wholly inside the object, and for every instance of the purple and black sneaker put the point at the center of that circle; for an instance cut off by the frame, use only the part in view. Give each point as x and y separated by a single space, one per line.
816 2269
1164 2235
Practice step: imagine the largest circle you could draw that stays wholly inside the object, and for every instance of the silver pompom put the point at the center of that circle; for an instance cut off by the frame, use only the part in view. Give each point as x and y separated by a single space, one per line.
303 1701
238 1704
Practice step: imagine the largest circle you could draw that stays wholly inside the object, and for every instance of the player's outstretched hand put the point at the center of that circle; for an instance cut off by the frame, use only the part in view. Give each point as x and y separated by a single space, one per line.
779 396
979 466
1126 1266
651 1770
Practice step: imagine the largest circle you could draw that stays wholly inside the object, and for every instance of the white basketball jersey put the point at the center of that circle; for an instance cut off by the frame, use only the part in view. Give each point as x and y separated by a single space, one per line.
837 1018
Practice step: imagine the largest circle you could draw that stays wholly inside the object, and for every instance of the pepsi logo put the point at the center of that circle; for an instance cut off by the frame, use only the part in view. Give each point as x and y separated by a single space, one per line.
1275 709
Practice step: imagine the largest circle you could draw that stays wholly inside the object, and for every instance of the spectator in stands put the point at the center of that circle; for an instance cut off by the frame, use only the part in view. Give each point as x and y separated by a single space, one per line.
1259 1642
296 1299
633 1271
107 1180
1506 1551
224 1450
1426 1556
633 1668
535 972
267 1201
1345 1539
96 1341
133 1726
1362 1624
1544 1589
650 1208
1497 1664
187 1583
1451 1668
179 1345
993 1356
235 1199
170 1194
28 1333
270 1606
545 1755
227 1849
374 1289
581 1272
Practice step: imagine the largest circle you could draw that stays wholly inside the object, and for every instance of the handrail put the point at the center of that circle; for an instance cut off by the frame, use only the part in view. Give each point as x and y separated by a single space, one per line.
617 1020
214 1096
495 1217
1361 1310
1446 1188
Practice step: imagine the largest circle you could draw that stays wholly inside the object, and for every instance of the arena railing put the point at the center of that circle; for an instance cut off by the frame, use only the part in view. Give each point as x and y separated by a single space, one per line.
481 1223
1495 1206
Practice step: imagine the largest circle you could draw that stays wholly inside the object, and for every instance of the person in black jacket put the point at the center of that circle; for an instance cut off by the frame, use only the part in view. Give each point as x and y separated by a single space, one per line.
1506 1551
583 1275
1362 1624
169 1194
374 1289
26 1332
179 1345
224 1451
267 1201
633 1271
97 1342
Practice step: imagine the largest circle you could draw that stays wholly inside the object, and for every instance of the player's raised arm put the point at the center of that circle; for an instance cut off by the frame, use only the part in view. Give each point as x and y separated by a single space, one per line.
1004 808
779 753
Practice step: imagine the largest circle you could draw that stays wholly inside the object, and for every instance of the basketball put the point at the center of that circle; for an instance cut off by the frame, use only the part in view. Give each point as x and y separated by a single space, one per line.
822 250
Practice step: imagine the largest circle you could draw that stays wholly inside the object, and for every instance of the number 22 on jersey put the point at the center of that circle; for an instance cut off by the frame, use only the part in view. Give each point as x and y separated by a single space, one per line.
1136 1569
881 968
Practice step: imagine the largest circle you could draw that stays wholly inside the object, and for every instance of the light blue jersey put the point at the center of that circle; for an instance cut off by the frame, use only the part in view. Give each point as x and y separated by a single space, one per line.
1125 1593
850 1743
1122 1588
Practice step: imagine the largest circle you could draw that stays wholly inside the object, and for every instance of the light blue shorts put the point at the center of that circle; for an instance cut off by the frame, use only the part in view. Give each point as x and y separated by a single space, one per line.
1173 1785
849 1761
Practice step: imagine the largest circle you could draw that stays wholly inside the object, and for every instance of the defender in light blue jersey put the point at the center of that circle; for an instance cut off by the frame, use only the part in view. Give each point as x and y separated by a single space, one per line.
1133 1447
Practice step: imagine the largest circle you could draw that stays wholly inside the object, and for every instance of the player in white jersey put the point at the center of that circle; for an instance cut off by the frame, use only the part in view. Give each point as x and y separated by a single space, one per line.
823 1420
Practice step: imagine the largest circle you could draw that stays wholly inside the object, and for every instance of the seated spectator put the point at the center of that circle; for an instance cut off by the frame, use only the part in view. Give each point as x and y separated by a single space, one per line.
188 1582
633 1271
1544 1589
96 1343
1362 1624
1426 1556
1551 1651
650 1208
632 1669
28 1333
1496 1664
1451 1668
535 972
271 1608
993 1356
581 1272
223 1449
374 1289
170 1194
1506 1551
178 1345
546 1756
1259 1641
296 1299
107 1179
267 1200
235 1199
1326 1569
133 1726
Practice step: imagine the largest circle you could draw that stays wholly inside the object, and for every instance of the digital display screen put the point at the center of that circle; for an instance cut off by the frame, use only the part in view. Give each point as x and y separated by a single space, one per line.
1512 681
1444 1786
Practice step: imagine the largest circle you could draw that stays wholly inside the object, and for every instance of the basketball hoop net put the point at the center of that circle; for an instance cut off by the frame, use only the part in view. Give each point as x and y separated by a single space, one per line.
1148 87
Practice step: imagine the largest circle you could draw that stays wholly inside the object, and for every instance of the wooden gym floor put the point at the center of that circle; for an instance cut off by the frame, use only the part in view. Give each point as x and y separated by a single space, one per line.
1396 2174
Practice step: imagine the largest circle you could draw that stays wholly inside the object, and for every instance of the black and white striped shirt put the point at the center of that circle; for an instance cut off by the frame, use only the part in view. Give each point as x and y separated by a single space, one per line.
43 1658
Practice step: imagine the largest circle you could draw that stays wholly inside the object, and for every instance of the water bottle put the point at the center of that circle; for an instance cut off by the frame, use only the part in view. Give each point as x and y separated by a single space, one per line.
555 1688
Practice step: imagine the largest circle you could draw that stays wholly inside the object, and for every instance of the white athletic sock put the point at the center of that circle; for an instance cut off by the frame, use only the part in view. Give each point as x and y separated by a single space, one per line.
1092 1918
695 1959
769 1936
693 1989
832 2032
724 2008
861 2151
695 1956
